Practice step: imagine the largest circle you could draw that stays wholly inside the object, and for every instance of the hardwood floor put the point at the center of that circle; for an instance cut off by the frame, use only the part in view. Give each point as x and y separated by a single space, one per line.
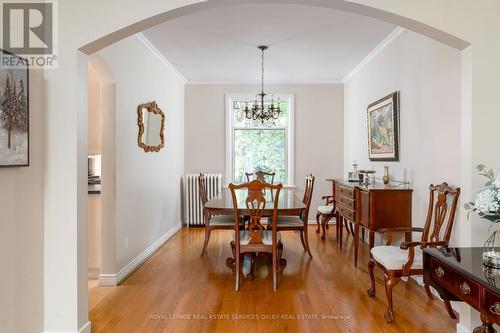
177 291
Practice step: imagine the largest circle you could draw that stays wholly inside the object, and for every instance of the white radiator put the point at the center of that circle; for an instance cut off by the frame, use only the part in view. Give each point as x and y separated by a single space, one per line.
193 209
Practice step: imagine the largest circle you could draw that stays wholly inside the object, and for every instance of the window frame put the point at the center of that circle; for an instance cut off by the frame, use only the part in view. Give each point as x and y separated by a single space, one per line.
289 130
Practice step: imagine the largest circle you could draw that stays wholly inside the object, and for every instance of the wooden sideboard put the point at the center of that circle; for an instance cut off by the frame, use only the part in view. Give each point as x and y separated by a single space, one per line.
458 274
372 208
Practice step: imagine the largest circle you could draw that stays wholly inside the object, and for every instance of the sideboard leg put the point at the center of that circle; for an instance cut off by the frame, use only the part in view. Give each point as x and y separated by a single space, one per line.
486 327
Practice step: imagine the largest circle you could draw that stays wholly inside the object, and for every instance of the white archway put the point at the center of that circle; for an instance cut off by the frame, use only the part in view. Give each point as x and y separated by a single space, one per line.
71 294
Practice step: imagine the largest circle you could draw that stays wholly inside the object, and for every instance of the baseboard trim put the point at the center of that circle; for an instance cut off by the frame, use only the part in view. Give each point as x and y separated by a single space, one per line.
116 279
84 329
107 280
462 329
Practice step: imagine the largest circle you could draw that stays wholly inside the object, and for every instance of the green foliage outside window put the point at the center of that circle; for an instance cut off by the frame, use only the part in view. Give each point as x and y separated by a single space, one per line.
260 147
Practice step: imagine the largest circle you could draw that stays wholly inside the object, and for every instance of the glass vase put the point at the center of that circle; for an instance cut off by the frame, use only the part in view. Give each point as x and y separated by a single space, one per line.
491 254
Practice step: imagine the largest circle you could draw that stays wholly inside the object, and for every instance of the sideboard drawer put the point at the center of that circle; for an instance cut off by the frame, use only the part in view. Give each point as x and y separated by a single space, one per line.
346 202
461 286
344 191
492 305
346 212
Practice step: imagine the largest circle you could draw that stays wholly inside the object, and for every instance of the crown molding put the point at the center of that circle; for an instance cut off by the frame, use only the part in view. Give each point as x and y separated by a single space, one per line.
266 83
387 40
160 56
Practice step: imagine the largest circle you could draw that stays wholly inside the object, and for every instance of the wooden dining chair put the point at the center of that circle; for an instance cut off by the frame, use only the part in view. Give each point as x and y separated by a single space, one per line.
406 259
299 223
261 175
256 238
325 213
212 222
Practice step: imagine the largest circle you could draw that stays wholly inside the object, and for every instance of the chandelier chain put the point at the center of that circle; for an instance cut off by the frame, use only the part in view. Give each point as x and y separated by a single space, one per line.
262 73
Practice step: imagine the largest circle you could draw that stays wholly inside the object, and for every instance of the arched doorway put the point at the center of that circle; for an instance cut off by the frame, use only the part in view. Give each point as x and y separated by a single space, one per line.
157 16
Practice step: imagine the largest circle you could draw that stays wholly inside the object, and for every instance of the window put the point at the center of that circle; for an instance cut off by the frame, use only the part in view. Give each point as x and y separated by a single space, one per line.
252 146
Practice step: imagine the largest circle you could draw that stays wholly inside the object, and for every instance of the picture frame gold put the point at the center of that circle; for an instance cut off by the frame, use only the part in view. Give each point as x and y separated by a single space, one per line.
153 108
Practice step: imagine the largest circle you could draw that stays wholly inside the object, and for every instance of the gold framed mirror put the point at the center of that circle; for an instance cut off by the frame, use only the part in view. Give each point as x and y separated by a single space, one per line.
151 122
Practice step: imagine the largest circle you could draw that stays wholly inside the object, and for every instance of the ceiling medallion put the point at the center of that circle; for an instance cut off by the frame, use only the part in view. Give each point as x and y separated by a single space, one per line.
261 109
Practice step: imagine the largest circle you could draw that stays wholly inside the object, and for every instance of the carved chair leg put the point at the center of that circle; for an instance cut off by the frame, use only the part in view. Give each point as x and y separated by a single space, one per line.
318 215
207 237
231 262
428 291
347 227
275 260
305 238
389 285
371 267
350 226
324 221
302 240
237 270
251 273
449 309
281 260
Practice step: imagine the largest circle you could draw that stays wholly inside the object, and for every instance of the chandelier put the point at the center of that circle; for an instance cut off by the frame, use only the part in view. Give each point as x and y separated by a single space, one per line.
260 110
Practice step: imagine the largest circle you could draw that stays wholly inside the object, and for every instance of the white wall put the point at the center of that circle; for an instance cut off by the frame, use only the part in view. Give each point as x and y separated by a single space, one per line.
427 74
147 184
95 112
318 130
21 228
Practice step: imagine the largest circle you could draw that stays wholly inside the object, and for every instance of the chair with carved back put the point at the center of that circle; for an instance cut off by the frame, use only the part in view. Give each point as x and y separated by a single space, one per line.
212 222
326 212
256 238
406 260
261 175
299 223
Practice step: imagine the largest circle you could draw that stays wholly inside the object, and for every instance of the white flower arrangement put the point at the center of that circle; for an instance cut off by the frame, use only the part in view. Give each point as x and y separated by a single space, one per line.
487 204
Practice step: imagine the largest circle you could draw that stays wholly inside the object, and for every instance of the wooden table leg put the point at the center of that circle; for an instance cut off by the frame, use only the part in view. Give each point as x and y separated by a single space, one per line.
356 243
486 327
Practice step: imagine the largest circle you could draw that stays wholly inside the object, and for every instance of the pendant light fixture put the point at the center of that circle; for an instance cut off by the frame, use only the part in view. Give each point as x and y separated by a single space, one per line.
261 109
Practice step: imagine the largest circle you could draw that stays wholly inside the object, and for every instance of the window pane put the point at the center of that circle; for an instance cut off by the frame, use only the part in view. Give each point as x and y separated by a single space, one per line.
240 119
263 150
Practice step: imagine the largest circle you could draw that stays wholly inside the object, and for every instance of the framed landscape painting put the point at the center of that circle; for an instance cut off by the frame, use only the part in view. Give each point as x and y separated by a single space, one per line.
383 129
14 111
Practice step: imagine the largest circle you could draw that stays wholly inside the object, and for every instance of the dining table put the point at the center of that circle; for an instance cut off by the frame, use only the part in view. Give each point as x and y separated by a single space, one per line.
289 204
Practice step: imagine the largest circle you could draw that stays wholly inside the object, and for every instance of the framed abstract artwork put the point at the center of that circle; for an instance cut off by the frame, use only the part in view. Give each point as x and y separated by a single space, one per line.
14 110
383 129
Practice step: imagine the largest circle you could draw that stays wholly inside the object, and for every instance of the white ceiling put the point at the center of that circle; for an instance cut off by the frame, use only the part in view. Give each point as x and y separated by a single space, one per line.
306 44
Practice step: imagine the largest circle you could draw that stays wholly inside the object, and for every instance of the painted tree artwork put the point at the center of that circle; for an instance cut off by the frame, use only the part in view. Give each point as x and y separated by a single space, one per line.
14 111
